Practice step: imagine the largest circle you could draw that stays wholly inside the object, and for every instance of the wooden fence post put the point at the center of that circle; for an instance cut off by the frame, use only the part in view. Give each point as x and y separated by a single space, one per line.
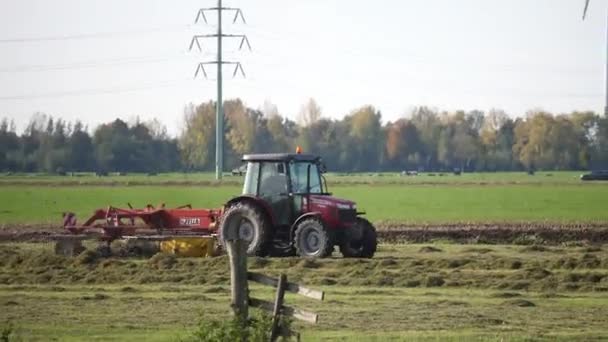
278 305
237 255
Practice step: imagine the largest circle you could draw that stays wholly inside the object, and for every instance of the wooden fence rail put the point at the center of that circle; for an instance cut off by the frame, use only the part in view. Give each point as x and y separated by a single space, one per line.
241 300
278 308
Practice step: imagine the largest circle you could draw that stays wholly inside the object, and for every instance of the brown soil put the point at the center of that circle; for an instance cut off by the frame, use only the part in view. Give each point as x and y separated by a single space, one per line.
28 232
521 233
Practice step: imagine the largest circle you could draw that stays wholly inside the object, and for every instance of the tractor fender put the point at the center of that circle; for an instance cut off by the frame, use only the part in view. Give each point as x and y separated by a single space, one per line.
292 230
254 201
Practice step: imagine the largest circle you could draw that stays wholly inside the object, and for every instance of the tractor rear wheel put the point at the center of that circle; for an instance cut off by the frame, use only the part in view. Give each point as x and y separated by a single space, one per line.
312 239
250 225
360 240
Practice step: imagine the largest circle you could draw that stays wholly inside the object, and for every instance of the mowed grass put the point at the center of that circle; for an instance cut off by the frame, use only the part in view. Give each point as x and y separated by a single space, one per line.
493 293
28 204
151 313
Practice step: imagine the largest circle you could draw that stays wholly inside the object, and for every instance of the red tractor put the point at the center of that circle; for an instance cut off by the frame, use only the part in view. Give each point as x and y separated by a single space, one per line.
286 209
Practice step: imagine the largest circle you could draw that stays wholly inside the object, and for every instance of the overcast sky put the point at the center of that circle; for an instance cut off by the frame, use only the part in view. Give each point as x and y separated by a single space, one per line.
98 60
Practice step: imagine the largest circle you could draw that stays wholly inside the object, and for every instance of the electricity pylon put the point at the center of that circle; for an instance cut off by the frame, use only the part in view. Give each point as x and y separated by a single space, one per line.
219 62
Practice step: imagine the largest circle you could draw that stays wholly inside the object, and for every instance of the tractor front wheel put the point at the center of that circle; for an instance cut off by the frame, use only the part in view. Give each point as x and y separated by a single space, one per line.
246 222
312 240
360 240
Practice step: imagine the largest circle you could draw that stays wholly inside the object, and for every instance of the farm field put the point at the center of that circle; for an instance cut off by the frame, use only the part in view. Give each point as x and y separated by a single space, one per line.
206 178
414 204
544 277
409 292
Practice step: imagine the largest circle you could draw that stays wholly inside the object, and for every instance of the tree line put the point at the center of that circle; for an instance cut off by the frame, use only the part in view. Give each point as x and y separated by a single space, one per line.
56 146
425 139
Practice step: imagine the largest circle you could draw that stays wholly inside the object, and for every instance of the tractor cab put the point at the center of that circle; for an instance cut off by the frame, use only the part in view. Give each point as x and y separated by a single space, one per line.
286 206
284 182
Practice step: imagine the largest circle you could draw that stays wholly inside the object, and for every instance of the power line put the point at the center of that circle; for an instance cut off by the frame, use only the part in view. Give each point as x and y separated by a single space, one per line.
87 35
97 63
148 86
88 64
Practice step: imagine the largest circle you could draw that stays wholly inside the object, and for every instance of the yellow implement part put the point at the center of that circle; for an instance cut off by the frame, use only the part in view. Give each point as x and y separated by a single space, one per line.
190 246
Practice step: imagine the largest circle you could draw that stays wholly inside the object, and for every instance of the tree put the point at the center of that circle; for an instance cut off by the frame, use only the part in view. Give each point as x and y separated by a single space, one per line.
240 128
403 145
278 132
197 140
586 125
309 113
535 139
80 150
113 149
600 150
464 139
9 146
496 142
366 139
322 138
270 110
429 126
156 129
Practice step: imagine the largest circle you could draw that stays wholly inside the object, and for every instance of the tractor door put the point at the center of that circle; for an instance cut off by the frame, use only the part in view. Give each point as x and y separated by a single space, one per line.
305 180
275 191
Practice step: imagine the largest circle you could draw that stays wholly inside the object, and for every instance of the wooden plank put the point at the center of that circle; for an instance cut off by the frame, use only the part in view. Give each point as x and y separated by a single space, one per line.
306 292
291 287
237 255
300 314
278 305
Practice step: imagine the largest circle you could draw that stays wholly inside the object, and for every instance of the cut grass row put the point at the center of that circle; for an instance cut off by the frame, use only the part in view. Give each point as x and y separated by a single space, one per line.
415 204
153 314
481 267
360 303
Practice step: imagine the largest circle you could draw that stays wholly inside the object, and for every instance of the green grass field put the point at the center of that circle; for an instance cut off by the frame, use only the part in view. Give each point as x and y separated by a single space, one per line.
408 292
562 177
407 203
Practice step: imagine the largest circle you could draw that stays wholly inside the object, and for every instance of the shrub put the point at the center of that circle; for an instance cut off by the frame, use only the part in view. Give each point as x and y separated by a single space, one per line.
7 332
257 329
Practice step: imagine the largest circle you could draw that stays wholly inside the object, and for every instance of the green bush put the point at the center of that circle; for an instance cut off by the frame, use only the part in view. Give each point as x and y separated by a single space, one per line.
7 332
257 329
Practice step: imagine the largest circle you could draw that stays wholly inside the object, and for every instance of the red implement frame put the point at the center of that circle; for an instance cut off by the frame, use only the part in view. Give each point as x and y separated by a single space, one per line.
114 223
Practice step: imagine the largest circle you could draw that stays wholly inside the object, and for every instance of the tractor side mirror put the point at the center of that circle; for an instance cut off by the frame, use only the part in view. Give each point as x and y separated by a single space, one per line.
322 167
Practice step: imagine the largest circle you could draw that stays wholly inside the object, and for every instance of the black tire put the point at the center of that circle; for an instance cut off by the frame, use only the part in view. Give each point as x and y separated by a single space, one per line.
252 226
312 239
281 250
361 241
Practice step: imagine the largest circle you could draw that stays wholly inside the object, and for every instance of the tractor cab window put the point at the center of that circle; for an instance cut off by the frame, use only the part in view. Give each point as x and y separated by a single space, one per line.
299 178
251 179
273 179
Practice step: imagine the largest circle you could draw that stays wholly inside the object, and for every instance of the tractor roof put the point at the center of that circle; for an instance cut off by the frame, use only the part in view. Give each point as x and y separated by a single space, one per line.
286 157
